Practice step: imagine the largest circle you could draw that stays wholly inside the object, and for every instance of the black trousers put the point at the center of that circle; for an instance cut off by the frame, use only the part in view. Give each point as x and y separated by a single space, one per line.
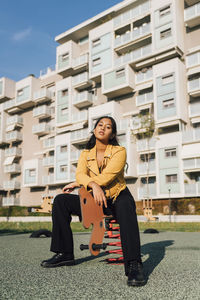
123 209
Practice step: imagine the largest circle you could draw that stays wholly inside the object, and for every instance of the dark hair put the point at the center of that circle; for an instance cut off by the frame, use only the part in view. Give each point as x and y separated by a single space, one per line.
112 141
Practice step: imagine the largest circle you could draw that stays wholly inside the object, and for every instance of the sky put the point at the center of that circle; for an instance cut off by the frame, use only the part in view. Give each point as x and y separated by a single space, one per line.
28 29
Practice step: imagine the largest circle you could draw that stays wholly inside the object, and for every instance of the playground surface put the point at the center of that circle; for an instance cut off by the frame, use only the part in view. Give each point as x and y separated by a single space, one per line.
171 264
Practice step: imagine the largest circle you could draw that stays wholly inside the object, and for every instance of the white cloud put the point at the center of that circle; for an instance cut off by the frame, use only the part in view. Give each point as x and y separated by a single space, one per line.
21 35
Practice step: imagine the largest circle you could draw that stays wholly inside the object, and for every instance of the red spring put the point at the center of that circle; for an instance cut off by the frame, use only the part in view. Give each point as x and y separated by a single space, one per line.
118 244
118 251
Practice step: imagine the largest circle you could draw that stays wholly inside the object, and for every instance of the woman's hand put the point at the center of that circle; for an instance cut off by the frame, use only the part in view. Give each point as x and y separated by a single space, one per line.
70 187
98 193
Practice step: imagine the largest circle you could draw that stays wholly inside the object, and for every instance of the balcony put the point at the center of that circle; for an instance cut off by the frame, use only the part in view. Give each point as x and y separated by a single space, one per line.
11 185
43 95
13 136
80 63
123 125
42 112
134 55
141 123
144 192
14 151
83 99
80 116
15 120
134 13
191 136
192 15
10 105
81 81
144 75
48 179
10 201
74 156
191 165
194 87
147 168
7 89
130 37
145 98
13 169
118 82
146 145
192 189
194 109
48 161
49 143
41 129
79 137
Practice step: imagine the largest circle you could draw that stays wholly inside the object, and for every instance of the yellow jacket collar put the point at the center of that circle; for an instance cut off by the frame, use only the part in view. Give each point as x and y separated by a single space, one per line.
93 151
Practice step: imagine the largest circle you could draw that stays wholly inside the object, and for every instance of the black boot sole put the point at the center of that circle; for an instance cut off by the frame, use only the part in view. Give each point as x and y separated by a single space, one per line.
136 283
60 264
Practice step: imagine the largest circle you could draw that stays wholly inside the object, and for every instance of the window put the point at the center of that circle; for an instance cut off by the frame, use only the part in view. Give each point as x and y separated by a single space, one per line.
167 79
171 178
96 62
170 152
32 172
168 103
165 11
65 56
96 42
20 92
165 33
120 73
64 111
63 168
63 148
64 92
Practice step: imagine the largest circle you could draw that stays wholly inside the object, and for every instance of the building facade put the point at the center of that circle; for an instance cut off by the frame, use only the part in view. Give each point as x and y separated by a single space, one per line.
139 62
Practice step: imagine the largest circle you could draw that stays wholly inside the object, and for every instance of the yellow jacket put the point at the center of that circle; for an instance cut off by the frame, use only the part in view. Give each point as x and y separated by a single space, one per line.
111 178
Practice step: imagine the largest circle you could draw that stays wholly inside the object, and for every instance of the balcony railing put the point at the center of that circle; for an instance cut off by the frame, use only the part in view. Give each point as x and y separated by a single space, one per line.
11 185
192 15
42 111
192 189
9 104
48 161
80 116
131 36
81 80
13 169
191 163
14 136
193 59
49 143
79 61
146 98
143 193
41 129
79 135
14 151
14 120
10 201
42 95
133 13
144 168
145 145
48 179
83 99
194 86
194 109
134 55
74 155
191 136
123 125
144 76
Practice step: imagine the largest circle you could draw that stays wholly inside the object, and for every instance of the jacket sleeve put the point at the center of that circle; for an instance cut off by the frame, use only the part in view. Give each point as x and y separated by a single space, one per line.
81 172
114 167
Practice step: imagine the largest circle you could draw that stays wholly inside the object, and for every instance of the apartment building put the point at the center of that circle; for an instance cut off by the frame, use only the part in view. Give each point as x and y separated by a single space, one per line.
139 62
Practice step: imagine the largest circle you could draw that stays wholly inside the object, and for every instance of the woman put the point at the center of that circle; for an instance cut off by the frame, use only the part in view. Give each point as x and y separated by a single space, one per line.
101 170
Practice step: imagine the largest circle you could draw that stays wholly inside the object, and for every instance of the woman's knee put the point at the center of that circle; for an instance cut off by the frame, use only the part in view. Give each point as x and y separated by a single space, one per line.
59 200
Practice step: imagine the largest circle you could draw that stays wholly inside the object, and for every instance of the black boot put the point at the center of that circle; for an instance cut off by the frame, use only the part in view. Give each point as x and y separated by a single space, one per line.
135 274
58 260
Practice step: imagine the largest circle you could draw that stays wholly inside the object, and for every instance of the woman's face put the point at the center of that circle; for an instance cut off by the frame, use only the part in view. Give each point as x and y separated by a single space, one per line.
103 130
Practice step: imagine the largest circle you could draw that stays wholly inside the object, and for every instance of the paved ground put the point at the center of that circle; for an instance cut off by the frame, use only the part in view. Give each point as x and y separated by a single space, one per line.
171 262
